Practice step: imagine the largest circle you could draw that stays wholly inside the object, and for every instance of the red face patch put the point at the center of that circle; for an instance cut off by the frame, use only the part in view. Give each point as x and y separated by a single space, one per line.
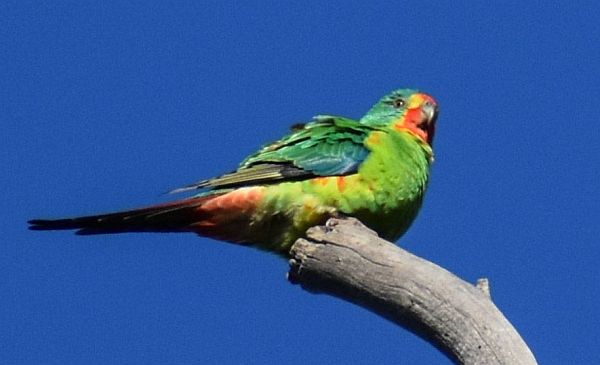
419 118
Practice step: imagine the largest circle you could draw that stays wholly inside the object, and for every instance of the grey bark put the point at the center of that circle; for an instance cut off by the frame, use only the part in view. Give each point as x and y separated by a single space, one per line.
347 260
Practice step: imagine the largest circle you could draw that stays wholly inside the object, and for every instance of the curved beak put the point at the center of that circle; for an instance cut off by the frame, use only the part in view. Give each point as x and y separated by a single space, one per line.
430 109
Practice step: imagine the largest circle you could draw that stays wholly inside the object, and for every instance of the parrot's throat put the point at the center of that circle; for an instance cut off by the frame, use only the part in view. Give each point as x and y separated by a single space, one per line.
417 123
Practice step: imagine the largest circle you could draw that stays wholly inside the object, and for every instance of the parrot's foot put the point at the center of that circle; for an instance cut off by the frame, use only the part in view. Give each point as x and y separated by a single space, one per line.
339 215
336 218
339 218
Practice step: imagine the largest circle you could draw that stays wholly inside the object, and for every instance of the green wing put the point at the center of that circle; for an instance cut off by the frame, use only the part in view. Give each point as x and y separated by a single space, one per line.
327 146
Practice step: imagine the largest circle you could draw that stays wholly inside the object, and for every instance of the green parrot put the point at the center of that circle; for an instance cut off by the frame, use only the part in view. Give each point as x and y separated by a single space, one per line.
375 169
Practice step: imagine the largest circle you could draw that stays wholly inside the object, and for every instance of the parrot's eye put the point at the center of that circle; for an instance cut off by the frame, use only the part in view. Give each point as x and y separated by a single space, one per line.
398 103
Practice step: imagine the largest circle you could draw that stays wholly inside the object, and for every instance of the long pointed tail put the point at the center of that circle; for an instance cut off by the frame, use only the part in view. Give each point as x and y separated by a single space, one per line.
175 216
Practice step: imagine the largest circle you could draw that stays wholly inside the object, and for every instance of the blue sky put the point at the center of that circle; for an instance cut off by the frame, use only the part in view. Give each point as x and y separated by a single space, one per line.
107 106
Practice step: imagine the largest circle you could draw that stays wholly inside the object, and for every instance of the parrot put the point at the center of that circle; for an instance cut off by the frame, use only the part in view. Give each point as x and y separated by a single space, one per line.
375 169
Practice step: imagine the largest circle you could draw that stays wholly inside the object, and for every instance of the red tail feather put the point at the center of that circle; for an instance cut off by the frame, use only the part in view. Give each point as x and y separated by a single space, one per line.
170 217
224 216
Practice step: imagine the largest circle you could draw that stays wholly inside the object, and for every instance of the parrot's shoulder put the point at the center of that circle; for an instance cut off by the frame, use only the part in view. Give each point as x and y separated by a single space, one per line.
321 130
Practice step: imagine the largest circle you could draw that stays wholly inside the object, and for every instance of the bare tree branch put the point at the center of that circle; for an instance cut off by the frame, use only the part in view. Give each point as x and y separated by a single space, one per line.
347 260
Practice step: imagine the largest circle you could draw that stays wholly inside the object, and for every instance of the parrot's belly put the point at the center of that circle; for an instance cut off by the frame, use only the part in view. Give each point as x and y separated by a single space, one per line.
291 208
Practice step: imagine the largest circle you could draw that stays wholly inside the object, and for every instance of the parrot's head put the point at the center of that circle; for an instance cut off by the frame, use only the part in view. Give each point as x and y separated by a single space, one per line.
406 110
